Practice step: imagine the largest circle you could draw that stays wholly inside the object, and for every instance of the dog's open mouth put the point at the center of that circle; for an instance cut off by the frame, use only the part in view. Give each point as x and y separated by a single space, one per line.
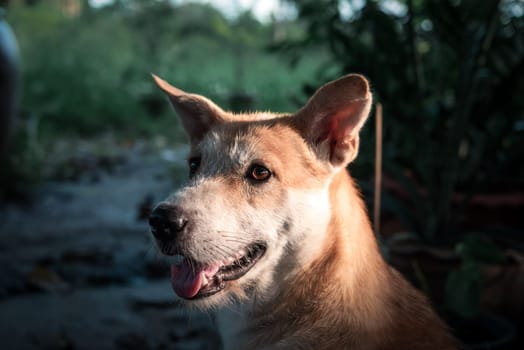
191 280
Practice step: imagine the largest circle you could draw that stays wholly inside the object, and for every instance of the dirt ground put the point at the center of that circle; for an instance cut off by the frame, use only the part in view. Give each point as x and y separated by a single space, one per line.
78 269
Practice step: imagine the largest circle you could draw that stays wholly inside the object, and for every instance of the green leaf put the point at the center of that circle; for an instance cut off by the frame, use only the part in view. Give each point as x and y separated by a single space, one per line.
478 249
462 291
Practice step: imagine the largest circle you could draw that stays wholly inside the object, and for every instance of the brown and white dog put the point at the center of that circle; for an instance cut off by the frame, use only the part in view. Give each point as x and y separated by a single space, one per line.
272 231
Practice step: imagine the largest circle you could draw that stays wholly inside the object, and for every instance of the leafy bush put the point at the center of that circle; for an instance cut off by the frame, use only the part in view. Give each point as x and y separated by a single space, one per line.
90 72
445 72
76 72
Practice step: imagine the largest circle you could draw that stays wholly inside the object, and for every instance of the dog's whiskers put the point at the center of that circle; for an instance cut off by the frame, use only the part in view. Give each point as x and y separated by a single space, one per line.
223 252
235 238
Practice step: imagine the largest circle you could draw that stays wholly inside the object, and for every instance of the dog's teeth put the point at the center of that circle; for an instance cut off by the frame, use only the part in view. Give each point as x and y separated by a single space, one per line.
205 281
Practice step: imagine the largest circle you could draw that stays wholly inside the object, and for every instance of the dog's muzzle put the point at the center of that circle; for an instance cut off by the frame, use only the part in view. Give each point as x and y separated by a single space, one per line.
191 277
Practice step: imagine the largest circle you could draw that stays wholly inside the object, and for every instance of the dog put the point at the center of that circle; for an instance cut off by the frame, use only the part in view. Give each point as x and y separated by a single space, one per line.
272 234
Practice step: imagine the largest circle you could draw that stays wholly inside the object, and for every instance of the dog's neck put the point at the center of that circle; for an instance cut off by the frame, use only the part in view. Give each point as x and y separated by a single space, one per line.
349 259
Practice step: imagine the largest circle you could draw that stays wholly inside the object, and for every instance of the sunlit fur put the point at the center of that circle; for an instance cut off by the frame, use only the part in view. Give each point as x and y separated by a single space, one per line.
322 283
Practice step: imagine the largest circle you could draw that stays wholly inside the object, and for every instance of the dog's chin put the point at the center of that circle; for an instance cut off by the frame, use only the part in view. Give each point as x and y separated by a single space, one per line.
214 284
234 291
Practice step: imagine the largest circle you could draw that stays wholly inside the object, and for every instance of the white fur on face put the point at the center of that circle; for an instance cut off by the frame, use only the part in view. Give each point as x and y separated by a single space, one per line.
228 212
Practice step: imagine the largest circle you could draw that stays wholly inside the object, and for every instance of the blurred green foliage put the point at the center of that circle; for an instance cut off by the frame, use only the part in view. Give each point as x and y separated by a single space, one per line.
86 72
89 72
448 73
76 78
463 285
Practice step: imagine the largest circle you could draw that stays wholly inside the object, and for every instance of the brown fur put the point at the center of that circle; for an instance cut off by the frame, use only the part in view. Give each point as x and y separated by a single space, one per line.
311 290
361 304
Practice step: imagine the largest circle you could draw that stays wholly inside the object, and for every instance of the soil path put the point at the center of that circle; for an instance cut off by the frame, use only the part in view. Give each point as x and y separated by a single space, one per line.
78 269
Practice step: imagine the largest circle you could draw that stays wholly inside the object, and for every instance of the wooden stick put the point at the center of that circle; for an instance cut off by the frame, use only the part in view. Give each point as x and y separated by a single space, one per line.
378 169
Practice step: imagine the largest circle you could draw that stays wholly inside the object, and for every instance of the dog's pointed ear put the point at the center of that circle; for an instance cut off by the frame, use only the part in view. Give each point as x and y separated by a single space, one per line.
333 116
198 114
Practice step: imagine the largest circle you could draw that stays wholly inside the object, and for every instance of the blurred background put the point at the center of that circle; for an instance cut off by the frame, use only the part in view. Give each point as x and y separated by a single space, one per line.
88 144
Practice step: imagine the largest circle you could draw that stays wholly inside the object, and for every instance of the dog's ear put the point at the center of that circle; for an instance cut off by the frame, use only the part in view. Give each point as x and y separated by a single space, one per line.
333 116
198 114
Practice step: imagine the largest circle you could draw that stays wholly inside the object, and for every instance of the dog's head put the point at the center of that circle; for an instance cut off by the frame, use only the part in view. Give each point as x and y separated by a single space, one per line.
257 206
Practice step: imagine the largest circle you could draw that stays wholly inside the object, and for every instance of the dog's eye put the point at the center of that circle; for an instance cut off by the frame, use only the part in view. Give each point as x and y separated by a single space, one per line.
194 163
259 173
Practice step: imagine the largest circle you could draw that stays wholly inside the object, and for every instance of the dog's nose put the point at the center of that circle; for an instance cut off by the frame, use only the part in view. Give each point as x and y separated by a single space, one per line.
167 221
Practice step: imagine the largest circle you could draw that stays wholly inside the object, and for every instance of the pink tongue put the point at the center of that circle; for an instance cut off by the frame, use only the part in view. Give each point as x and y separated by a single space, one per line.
186 280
